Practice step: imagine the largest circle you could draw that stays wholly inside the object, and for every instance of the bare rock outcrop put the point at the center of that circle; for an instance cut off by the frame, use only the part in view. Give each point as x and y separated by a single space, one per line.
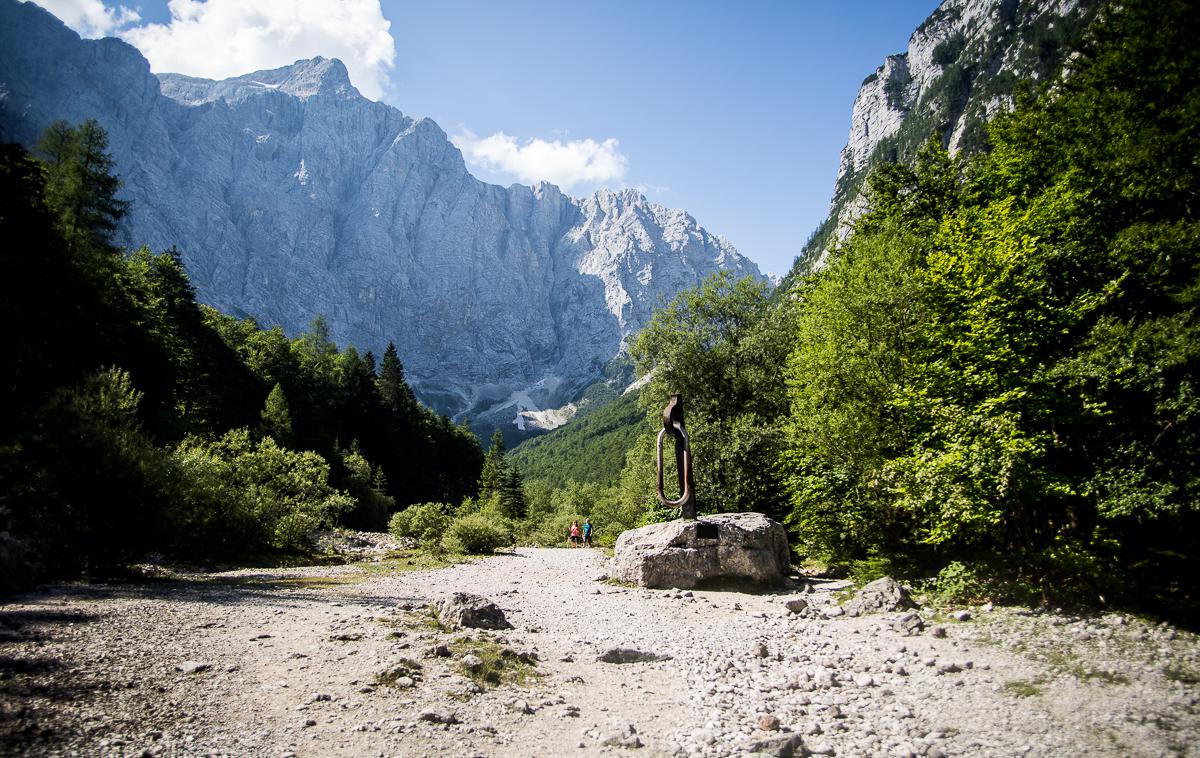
685 553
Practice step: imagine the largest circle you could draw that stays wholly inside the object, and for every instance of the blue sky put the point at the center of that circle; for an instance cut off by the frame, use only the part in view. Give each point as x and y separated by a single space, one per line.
736 112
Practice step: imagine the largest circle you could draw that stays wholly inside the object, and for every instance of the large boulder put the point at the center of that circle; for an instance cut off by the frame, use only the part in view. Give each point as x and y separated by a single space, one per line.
684 553
471 611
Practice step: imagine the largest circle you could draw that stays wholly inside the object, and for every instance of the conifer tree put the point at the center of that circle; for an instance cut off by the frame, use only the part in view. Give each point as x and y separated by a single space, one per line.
491 479
82 184
397 396
276 418
512 494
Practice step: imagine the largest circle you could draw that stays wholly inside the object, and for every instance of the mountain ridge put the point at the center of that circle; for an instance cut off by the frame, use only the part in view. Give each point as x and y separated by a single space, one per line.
290 195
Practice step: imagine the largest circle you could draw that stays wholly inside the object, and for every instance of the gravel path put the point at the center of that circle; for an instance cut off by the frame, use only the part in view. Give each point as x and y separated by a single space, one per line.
281 662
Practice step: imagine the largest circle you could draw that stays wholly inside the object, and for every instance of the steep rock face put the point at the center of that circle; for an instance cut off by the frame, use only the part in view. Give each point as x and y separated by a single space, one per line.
290 195
960 68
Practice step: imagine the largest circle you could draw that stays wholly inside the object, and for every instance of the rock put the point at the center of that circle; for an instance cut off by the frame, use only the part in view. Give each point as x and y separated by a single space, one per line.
472 611
472 662
746 546
833 612
909 623
520 706
864 679
630 655
759 650
783 746
625 736
435 716
768 722
884 594
796 605
441 651
193 667
938 631
961 615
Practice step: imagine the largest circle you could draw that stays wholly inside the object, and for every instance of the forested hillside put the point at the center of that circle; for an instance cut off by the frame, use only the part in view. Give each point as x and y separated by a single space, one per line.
995 375
137 420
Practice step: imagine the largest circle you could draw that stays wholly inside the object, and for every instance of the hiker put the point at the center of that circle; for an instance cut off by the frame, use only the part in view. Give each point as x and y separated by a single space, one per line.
587 532
574 534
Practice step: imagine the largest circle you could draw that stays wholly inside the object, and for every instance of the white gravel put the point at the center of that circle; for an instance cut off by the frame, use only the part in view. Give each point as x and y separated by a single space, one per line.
278 662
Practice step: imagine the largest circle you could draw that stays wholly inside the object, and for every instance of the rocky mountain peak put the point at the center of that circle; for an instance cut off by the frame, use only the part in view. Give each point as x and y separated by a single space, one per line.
291 195
302 79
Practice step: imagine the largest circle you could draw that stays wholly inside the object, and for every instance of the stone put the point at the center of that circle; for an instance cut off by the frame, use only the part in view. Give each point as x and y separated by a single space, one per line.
463 609
472 662
747 546
630 655
882 595
833 612
625 736
768 722
796 605
782 746
193 667
520 706
909 623
435 716
938 631
759 649
961 615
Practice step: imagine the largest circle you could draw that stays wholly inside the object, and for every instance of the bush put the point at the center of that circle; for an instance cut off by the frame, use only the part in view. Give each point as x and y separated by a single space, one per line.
425 523
477 534
86 484
237 494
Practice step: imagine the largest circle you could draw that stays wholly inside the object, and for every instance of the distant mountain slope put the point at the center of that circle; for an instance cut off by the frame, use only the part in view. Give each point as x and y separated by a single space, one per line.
290 195
589 448
962 65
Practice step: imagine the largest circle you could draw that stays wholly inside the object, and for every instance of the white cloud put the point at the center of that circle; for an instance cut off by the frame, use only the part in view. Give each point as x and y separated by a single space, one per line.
91 18
565 163
217 39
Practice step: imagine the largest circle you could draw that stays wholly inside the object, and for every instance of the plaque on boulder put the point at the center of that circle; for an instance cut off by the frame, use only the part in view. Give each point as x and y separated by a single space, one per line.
686 552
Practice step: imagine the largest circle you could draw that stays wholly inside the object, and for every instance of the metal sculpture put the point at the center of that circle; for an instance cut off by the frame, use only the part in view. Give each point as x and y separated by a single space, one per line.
673 424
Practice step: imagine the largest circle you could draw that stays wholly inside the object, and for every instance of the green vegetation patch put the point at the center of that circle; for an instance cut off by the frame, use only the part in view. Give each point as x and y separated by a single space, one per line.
488 663
1023 688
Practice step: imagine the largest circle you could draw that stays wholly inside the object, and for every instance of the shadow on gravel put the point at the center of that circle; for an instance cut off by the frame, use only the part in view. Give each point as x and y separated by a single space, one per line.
265 590
30 688
747 587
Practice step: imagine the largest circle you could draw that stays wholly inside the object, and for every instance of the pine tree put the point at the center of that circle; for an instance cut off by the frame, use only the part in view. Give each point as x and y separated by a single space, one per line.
82 184
397 396
512 494
491 479
276 419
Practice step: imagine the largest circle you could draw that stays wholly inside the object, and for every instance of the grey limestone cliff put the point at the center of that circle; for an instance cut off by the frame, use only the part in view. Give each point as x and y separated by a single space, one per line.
961 67
289 195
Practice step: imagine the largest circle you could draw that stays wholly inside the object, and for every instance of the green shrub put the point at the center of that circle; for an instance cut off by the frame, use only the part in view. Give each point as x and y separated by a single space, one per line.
476 534
961 583
426 523
237 494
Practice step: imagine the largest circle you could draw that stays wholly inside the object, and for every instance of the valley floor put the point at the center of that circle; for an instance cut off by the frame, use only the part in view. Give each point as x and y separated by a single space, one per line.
284 662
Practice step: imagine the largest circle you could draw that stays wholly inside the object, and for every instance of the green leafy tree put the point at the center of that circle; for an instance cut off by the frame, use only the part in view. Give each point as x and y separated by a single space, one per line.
722 346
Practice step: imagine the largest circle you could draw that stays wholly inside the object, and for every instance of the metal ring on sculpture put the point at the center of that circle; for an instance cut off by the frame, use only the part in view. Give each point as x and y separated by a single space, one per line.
679 433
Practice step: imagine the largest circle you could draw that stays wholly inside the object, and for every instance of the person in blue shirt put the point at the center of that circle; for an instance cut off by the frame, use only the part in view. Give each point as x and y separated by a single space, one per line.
587 532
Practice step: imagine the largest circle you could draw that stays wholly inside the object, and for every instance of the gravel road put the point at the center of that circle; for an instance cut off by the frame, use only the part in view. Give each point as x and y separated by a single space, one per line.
286 662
